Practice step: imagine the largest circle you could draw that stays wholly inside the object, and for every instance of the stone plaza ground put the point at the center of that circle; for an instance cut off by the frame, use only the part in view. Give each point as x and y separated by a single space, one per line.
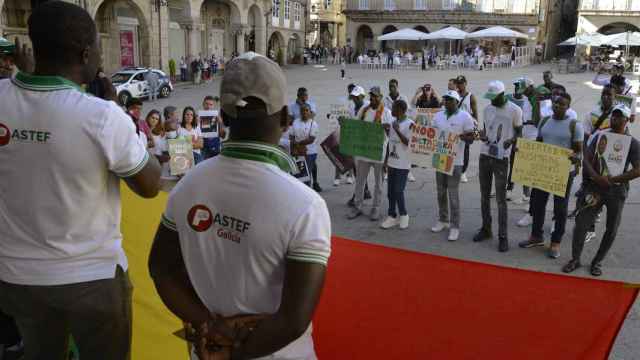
326 88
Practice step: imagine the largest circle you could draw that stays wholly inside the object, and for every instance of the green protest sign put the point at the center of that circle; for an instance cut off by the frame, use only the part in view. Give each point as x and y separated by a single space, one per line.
363 139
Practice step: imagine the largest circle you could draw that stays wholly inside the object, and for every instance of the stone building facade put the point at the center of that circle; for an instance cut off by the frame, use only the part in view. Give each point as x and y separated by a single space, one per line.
608 16
327 23
151 32
368 19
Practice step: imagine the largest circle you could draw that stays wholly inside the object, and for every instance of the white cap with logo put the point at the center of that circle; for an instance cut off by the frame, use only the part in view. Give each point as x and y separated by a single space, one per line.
452 94
495 88
626 112
252 75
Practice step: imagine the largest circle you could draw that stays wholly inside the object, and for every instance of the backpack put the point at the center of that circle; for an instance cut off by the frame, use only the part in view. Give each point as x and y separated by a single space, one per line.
572 131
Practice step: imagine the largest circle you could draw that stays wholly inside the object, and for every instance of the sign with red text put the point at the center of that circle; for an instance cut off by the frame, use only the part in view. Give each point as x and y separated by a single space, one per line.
433 148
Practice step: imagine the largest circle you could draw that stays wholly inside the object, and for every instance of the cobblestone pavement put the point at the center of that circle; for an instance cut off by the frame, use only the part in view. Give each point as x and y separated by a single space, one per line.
326 88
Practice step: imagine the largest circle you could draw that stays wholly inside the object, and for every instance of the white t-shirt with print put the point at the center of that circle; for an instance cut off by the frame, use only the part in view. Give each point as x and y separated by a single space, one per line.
301 130
385 119
194 134
240 234
60 183
162 146
461 122
499 124
399 152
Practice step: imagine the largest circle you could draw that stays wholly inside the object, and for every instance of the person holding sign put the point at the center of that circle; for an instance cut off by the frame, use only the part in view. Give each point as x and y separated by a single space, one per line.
502 127
622 95
374 112
604 186
469 104
190 130
304 133
563 131
211 126
460 123
399 166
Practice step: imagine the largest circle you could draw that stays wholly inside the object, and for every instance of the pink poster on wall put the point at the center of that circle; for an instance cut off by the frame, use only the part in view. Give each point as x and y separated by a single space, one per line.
126 48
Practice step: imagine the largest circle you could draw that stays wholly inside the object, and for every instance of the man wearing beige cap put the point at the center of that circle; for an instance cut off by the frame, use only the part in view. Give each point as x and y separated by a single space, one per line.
239 264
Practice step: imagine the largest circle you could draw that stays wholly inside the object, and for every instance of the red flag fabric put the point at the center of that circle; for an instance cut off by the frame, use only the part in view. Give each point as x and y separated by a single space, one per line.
384 303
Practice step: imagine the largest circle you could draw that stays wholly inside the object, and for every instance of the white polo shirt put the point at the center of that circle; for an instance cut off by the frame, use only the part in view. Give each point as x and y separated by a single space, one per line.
236 236
62 154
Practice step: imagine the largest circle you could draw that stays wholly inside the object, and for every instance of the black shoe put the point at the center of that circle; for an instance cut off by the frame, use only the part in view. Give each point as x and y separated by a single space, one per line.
352 202
596 269
503 246
482 235
317 187
571 266
367 195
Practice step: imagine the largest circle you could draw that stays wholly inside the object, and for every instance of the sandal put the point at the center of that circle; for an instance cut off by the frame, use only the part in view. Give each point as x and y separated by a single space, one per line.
571 266
596 269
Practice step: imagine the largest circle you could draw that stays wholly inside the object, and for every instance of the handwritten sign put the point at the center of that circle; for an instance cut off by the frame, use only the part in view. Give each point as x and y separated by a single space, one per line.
424 116
181 155
363 139
433 148
542 166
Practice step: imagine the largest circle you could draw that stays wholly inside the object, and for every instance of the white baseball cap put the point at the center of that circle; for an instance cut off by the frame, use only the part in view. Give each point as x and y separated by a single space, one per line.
495 88
452 94
252 75
626 112
358 91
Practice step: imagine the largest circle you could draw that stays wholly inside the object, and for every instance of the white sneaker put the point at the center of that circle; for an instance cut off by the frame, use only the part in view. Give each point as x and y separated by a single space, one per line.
411 177
518 201
463 178
439 226
590 236
454 234
509 195
389 222
349 180
404 221
525 221
526 198
336 182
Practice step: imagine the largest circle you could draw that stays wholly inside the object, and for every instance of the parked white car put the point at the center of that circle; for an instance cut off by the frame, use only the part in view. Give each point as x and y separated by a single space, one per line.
130 83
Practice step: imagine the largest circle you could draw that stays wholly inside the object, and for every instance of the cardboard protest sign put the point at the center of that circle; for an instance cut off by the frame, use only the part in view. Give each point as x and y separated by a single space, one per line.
542 166
181 155
303 170
433 148
210 130
331 147
611 153
363 139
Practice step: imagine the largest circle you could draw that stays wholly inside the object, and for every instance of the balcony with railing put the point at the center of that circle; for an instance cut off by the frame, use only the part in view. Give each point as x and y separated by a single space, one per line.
613 6
519 7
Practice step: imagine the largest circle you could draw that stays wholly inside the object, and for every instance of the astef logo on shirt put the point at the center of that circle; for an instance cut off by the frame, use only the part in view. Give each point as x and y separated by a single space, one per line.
23 135
200 219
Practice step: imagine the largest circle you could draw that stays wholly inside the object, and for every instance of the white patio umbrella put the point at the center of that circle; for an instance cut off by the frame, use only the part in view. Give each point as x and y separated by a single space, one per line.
448 33
404 34
623 39
586 39
496 32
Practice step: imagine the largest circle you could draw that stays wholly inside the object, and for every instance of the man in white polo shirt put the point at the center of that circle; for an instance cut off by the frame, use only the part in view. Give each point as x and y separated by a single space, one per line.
256 243
62 155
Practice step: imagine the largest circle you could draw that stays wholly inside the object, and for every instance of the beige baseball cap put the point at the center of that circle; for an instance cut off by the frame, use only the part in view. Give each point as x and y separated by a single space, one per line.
252 75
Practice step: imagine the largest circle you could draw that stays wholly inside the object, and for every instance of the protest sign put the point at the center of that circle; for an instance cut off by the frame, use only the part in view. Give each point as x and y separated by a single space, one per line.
331 147
624 99
611 153
181 155
210 130
363 139
303 170
433 148
542 166
424 116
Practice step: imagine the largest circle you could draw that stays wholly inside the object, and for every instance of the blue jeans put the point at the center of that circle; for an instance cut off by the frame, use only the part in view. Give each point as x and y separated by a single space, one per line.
313 168
197 158
396 181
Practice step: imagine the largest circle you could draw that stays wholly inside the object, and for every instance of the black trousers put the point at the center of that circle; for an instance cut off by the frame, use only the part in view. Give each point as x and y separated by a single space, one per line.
585 220
539 199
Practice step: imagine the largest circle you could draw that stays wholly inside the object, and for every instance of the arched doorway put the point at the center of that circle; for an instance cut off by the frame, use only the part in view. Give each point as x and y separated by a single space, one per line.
388 44
364 39
13 19
220 20
124 35
275 49
617 27
255 36
294 49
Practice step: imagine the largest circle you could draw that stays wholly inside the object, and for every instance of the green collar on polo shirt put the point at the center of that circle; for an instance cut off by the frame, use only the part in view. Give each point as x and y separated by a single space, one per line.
259 151
44 83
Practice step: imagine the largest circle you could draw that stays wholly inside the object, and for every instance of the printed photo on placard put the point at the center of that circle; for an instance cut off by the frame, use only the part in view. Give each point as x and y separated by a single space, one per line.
611 153
303 170
181 156
210 129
